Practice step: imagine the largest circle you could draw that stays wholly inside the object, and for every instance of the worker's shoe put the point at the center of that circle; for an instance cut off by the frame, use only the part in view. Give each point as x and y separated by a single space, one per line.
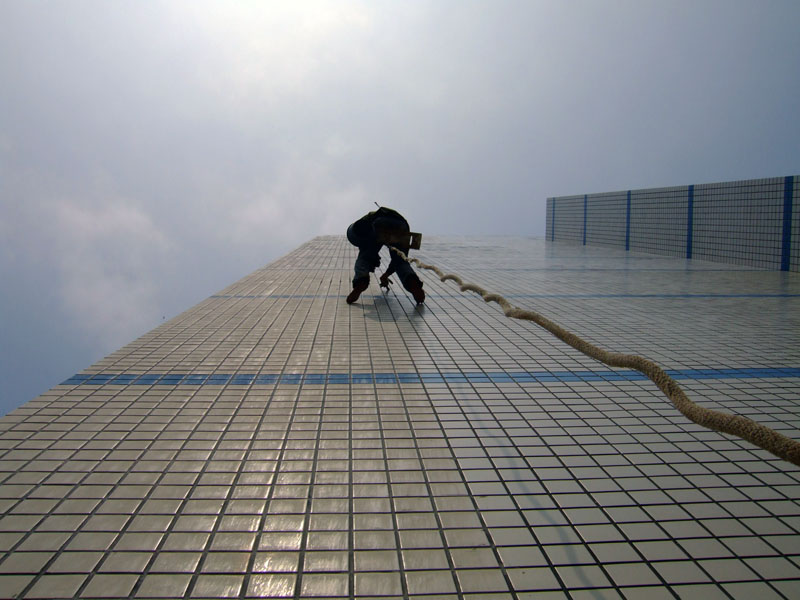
358 287
415 287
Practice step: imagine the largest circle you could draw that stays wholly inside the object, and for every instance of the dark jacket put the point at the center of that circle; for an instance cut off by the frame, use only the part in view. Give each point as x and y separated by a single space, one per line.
361 233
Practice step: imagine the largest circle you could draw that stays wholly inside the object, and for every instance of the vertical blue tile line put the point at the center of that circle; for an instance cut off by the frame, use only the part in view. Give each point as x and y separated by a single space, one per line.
786 246
585 205
690 223
553 222
628 223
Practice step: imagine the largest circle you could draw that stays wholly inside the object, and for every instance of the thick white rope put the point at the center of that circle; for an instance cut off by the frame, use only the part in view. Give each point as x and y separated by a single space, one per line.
747 429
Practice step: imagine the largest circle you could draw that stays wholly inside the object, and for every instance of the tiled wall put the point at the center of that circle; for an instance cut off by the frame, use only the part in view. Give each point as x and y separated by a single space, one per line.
658 222
274 441
568 214
605 219
795 228
754 222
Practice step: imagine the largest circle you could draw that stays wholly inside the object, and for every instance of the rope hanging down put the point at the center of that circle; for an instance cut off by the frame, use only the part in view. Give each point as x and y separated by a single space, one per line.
747 429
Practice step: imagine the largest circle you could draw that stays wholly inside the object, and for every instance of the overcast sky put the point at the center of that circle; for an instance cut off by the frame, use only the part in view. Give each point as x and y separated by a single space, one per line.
151 153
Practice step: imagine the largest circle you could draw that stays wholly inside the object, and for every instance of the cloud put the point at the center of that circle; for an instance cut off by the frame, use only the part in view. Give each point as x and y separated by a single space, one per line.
266 52
305 200
110 260
100 257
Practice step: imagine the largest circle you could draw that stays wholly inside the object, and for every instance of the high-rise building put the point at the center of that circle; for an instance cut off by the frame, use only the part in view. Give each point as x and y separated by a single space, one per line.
274 441
752 222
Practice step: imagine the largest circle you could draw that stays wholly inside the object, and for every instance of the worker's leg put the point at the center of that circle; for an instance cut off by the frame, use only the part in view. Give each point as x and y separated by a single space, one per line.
368 258
366 262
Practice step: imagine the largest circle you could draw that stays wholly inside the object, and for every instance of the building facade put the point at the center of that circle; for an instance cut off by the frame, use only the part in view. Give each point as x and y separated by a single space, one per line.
275 442
754 222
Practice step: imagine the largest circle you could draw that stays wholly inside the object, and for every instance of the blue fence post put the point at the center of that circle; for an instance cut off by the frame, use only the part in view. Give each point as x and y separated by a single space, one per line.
628 223
786 245
690 223
585 204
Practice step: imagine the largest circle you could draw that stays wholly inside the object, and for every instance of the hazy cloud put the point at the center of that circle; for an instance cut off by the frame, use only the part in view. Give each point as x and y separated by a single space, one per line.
106 259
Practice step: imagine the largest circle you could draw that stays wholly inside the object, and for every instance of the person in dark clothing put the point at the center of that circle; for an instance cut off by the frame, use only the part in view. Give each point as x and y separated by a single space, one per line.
369 234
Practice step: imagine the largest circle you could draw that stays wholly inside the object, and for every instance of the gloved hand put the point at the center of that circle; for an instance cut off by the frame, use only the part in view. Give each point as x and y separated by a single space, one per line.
385 281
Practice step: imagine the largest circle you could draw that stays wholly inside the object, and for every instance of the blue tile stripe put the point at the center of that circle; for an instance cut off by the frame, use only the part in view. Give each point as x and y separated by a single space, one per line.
651 296
690 223
456 377
709 295
585 215
628 223
786 241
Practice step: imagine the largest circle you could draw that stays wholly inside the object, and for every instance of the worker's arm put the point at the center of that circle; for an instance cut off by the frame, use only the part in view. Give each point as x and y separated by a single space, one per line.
396 259
384 279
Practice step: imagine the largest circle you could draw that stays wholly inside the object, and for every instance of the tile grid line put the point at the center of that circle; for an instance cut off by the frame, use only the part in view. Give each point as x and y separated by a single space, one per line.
421 456
351 450
401 570
219 515
567 521
475 506
88 516
280 469
616 525
659 576
442 530
502 482
310 493
786 233
78 531
215 529
273 479
426 479
768 439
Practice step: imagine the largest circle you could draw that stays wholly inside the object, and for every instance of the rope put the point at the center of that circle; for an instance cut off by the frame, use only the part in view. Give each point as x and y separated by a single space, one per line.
742 427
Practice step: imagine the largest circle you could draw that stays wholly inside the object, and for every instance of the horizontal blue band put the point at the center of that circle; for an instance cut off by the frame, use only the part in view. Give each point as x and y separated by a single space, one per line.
475 377
709 295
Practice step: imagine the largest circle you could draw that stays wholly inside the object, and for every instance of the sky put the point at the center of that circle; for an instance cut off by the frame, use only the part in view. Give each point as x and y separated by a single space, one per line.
152 153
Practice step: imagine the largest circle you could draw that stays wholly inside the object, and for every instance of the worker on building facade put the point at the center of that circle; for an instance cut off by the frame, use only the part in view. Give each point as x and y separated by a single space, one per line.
369 234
